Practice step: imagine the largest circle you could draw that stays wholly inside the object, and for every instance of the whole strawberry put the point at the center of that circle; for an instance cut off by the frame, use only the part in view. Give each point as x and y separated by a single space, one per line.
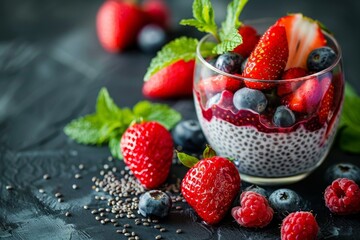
210 185
118 23
299 225
157 12
268 60
148 150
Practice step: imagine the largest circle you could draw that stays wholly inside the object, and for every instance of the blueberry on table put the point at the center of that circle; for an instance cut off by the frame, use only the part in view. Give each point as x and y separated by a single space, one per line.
247 98
229 62
285 201
151 38
320 58
343 170
257 189
283 117
154 203
189 135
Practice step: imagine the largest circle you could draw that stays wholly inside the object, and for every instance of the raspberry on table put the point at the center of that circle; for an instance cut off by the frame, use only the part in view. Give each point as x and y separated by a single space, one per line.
343 197
299 225
254 211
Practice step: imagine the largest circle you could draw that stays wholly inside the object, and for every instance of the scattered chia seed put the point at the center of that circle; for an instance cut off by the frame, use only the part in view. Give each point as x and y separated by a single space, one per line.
113 220
86 207
9 187
106 166
157 226
41 190
58 195
97 218
102 222
74 186
178 231
102 214
94 212
146 224
68 214
127 225
60 200
46 176
110 158
81 166
118 231
77 176
158 237
162 229
127 234
116 224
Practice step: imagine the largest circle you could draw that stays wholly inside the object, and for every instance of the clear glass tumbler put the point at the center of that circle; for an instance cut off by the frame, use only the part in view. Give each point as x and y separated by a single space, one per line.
265 153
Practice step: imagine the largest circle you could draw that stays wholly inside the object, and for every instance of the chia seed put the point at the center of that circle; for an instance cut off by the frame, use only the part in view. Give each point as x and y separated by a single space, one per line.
41 190
77 176
178 231
158 237
68 214
46 177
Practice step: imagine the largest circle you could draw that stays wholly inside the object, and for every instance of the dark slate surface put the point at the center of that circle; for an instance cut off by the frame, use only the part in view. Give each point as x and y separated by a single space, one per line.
51 69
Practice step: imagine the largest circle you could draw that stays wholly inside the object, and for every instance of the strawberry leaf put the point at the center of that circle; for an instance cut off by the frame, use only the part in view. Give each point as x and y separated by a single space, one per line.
229 42
181 48
187 160
204 17
209 152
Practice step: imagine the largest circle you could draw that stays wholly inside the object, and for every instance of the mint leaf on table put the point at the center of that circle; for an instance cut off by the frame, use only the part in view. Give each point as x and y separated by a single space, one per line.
109 122
204 17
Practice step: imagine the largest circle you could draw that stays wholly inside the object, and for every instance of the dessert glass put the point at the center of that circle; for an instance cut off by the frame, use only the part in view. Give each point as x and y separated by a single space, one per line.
266 154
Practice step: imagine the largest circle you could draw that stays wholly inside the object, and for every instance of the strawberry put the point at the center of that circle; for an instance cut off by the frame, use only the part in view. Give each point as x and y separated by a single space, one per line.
289 87
210 185
306 98
157 12
250 38
303 35
327 100
175 80
218 83
148 150
118 23
268 59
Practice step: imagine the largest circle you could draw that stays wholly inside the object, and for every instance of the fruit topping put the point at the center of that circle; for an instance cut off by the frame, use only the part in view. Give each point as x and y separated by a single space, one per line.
247 98
154 203
254 210
218 83
268 59
299 225
250 38
148 150
210 186
320 59
295 72
229 62
223 100
343 170
288 87
283 117
285 201
151 38
303 36
243 65
342 197
327 100
188 134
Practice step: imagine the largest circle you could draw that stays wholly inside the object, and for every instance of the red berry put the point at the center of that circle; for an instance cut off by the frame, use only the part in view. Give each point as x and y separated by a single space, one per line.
254 211
118 23
343 197
219 83
157 12
173 81
250 38
295 72
327 100
289 87
148 150
210 186
268 60
299 225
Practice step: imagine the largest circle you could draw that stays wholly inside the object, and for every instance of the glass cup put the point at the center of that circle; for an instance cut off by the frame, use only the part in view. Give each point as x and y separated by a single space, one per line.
269 151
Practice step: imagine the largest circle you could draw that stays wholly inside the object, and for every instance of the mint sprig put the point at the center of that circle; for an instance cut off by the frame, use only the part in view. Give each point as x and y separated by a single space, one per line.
109 121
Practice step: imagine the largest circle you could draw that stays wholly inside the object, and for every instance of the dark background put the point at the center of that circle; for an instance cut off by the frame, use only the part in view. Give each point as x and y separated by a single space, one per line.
51 69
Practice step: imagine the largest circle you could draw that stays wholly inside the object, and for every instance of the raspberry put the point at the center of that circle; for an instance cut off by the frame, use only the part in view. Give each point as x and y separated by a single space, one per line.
254 210
299 225
343 197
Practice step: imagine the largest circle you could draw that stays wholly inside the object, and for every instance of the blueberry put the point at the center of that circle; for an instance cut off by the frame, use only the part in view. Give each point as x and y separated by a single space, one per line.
284 117
285 201
189 135
229 62
343 170
320 58
154 203
247 98
243 65
257 189
151 38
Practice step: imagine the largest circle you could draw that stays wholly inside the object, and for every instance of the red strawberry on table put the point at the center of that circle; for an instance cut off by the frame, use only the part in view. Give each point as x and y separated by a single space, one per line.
250 38
306 98
173 81
148 150
118 23
303 35
289 87
157 12
210 185
268 59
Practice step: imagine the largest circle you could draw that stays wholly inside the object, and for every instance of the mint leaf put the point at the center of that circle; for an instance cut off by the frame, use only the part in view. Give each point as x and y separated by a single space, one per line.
181 48
114 146
187 160
105 106
229 42
161 113
204 17
234 10
349 139
85 130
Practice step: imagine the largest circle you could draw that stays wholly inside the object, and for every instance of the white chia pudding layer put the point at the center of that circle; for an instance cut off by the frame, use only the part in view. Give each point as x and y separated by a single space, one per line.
268 154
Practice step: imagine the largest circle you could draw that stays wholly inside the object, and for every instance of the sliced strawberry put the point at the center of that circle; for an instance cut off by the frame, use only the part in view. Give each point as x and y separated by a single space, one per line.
327 100
118 23
289 87
218 83
268 59
250 38
173 81
306 98
303 35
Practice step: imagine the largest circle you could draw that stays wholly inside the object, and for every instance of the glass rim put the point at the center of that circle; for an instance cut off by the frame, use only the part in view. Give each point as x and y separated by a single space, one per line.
239 77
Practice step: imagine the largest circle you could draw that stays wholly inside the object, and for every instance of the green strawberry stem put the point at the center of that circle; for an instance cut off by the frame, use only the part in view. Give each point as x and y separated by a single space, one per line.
187 160
209 152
